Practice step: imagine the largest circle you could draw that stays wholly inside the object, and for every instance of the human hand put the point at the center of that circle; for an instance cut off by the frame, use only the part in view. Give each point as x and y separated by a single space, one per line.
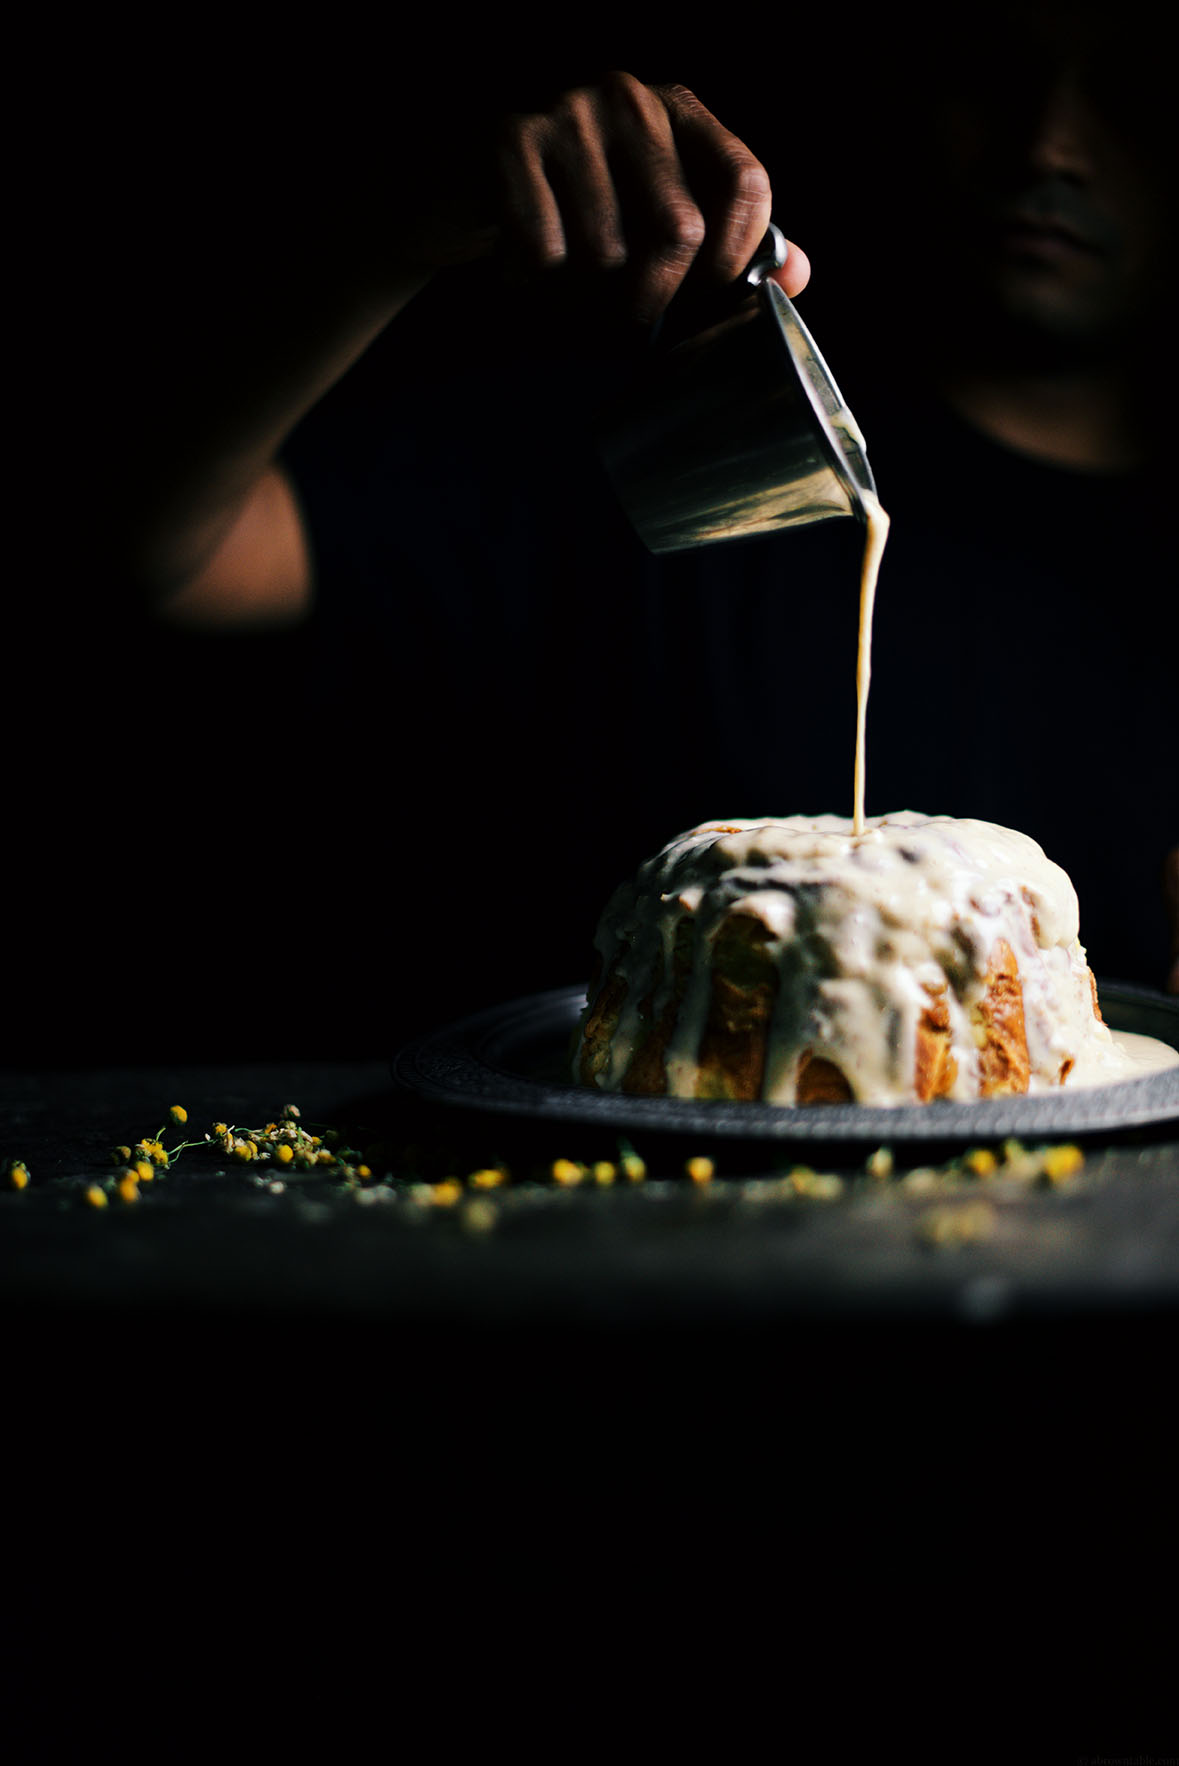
639 179
638 183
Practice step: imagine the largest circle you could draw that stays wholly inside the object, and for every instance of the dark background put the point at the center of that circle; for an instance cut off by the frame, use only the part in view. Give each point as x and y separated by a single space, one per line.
274 843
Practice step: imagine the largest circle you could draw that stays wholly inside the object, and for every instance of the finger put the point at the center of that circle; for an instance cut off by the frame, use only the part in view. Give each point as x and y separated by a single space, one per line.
664 225
730 182
574 157
674 235
529 210
793 276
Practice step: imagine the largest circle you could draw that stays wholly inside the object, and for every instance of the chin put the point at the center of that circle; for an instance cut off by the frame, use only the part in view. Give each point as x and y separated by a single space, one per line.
1048 323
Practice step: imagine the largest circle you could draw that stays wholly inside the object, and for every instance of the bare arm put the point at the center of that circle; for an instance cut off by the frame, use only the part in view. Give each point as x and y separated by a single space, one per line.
214 536
617 180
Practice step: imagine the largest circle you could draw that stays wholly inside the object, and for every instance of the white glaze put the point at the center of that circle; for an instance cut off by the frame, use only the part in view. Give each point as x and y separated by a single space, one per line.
875 537
863 926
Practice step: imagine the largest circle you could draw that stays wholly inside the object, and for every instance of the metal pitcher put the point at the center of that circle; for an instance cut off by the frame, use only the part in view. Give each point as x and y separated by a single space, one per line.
738 430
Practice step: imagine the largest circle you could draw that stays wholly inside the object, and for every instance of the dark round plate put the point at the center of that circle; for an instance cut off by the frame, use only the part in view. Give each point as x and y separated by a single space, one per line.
513 1059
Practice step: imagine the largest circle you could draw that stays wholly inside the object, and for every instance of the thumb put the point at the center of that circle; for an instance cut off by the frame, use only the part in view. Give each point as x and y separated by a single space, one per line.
795 273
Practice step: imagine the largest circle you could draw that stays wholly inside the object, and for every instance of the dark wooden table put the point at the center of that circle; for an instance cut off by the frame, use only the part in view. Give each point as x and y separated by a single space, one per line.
897 1285
966 1378
760 1244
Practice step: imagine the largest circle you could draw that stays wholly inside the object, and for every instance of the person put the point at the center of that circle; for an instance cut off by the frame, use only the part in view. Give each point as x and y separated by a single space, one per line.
1036 405
377 439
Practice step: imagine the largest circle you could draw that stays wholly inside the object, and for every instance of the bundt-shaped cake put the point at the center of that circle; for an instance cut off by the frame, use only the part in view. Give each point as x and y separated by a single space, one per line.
794 961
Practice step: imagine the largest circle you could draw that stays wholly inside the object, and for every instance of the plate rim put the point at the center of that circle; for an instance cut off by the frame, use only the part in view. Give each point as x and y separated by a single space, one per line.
448 1065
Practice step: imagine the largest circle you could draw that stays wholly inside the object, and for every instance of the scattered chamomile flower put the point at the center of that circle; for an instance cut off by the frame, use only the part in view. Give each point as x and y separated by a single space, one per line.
952 1224
1061 1163
981 1161
633 1167
489 1177
95 1195
821 1186
17 1173
479 1215
700 1169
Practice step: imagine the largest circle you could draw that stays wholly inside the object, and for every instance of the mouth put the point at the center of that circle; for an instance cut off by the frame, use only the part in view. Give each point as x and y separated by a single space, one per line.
1053 223
1045 239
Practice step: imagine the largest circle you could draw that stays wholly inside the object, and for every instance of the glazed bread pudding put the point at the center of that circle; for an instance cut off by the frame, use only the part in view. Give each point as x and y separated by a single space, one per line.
799 961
